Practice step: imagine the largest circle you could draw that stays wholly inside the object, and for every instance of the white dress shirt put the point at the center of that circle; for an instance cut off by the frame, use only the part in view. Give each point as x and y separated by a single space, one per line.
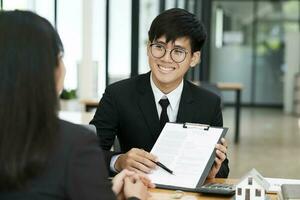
172 110
173 97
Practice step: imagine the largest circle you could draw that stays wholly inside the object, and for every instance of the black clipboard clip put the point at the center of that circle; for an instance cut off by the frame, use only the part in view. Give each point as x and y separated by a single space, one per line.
196 125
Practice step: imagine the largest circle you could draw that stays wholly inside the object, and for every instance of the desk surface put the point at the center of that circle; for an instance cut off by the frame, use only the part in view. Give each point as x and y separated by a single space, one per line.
91 101
230 86
162 194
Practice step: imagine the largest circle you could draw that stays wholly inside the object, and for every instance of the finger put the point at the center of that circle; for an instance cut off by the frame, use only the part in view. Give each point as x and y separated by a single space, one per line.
221 155
141 158
137 166
218 162
127 180
224 142
127 172
135 170
147 155
118 181
135 156
147 182
221 148
120 176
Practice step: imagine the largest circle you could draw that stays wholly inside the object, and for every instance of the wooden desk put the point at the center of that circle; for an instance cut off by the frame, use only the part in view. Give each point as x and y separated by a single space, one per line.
162 194
236 87
90 103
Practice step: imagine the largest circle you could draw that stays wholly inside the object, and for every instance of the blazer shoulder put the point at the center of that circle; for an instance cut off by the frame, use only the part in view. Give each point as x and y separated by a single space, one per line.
74 133
210 93
129 83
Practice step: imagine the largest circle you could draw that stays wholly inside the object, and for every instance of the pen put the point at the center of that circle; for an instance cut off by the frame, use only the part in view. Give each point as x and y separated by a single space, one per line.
163 167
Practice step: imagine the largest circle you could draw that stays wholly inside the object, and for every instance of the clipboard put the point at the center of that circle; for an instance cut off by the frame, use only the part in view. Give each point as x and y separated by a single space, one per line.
189 151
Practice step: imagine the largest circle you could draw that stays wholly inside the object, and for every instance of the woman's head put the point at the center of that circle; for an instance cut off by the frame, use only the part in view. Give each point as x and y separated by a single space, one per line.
31 73
29 46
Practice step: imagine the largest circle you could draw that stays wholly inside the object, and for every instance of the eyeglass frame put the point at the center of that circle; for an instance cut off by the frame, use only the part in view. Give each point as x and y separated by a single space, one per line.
157 43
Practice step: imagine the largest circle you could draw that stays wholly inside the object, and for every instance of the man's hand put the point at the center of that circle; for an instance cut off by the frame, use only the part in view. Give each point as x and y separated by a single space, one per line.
221 150
136 160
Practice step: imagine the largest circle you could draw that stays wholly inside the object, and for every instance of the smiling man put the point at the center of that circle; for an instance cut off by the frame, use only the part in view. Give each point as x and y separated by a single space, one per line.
135 110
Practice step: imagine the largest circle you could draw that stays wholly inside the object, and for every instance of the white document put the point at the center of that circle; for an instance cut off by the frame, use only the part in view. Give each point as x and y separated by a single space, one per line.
275 183
186 151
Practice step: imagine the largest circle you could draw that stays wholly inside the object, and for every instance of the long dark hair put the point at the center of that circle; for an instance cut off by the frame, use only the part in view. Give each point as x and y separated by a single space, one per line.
29 49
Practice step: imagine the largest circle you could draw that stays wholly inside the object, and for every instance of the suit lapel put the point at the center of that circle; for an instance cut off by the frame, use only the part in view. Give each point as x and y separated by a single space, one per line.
147 104
186 108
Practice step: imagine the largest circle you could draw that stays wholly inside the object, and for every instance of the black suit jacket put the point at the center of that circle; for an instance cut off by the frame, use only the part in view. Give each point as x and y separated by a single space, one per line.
127 110
75 170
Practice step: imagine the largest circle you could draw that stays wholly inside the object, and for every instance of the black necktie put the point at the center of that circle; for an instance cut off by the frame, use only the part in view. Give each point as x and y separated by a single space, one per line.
164 103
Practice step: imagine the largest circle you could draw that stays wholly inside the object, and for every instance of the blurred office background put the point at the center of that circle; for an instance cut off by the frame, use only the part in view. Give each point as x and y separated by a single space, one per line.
255 43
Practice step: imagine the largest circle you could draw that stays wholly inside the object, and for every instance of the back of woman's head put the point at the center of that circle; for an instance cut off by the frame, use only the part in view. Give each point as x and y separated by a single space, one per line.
29 50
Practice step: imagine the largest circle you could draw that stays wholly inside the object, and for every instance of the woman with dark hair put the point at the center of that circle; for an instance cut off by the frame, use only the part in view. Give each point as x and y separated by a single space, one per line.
42 157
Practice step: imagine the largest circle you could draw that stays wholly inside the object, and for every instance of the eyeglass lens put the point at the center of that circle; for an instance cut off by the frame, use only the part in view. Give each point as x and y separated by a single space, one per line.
159 51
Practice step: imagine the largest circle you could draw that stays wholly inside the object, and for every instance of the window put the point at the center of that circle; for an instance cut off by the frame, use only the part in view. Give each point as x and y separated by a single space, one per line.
239 191
257 192
82 30
250 179
98 42
119 56
69 26
148 11
16 4
44 8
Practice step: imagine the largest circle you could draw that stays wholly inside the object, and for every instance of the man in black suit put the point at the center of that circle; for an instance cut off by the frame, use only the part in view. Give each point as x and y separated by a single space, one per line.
135 110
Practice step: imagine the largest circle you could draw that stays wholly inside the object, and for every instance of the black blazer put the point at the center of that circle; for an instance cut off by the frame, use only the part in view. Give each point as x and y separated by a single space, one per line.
75 171
127 110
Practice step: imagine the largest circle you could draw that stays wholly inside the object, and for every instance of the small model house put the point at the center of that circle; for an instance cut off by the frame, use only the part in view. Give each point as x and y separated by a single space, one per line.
252 186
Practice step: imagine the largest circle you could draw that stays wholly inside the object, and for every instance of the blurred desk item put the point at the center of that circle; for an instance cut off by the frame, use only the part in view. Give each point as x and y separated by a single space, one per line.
275 183
76 117
163 194
237 87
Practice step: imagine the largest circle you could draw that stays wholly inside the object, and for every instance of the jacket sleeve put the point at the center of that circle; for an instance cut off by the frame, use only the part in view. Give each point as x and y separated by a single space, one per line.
86 173
106 122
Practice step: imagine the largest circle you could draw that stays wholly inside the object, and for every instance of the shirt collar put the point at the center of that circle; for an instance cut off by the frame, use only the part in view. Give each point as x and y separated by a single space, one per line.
173 96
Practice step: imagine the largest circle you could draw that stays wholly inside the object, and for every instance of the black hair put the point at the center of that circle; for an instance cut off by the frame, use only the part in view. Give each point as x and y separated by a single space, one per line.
175 23
29 50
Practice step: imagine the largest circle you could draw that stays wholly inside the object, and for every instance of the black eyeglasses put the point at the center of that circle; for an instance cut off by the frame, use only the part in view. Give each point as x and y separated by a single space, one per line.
177 54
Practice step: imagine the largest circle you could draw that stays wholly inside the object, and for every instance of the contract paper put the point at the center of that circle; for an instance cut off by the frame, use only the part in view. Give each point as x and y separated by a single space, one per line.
186 151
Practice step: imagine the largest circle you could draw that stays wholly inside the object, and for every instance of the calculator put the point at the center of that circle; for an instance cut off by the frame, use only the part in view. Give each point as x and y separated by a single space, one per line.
217 188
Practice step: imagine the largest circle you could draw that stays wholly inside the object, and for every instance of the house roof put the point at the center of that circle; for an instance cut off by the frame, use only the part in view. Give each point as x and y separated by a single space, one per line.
257 177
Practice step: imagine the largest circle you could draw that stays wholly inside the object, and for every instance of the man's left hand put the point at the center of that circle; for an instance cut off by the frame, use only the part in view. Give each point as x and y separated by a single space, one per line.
221 150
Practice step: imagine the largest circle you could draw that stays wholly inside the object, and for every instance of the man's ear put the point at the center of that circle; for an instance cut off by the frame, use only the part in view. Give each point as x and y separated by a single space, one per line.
195 58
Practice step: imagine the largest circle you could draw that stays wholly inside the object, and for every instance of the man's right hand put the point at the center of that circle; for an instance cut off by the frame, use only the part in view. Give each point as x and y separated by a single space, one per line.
137 160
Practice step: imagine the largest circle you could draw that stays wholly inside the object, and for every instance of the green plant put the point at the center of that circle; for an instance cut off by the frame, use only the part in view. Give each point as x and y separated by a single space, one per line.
68 94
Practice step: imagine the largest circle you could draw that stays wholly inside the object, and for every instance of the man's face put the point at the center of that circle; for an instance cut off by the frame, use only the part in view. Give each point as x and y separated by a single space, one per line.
167 74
